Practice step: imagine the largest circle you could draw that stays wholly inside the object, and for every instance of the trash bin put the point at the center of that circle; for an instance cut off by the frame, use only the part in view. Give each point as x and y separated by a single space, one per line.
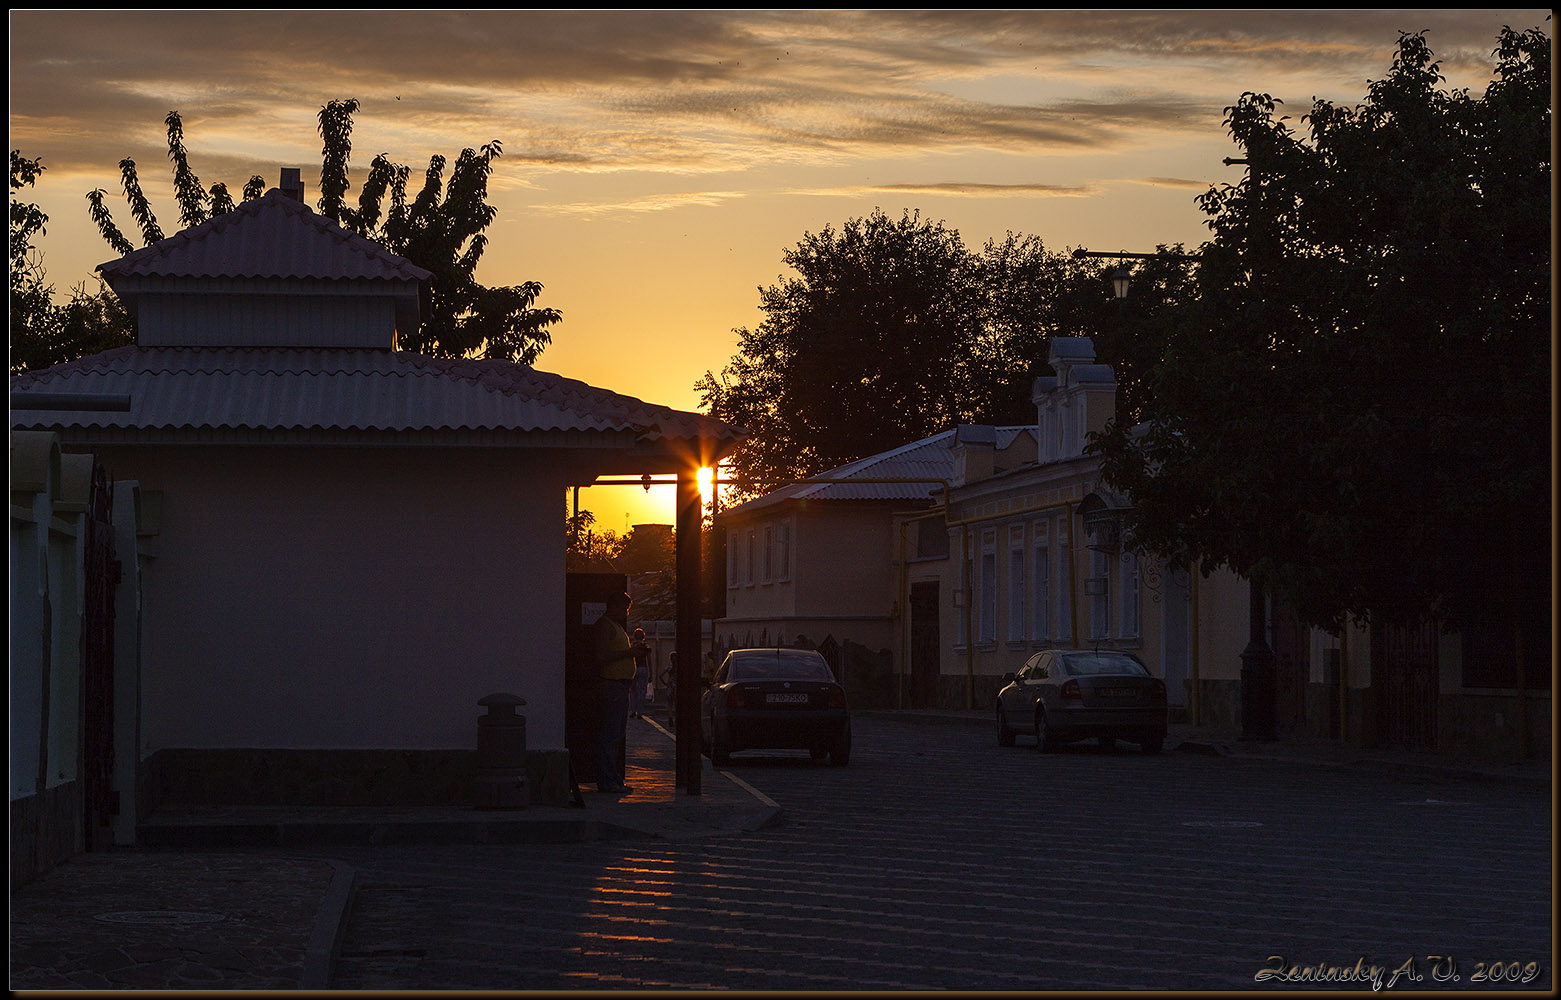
501 754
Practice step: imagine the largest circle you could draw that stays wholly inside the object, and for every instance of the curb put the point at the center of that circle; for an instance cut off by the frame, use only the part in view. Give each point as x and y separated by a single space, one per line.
329 927
292 835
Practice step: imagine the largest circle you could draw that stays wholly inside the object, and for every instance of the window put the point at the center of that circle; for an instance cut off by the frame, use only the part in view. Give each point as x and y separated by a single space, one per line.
1131 600
1064 627
1099 595
1040 622
731 558
768 566
1016 584
987 583
783 550
748 558
961 595
932 538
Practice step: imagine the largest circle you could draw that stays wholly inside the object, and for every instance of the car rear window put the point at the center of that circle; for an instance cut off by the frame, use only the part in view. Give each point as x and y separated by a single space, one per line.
1093 664
782 664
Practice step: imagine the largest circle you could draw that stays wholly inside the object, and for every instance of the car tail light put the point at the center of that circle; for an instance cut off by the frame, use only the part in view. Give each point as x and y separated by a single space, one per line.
734 697
837 697
1157 692
1070 689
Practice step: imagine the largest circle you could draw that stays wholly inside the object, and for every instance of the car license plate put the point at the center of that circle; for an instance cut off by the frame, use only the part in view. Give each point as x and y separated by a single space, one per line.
1119 692
785 699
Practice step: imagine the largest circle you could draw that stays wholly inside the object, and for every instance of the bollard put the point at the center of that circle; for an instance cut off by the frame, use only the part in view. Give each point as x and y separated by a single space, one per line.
501 754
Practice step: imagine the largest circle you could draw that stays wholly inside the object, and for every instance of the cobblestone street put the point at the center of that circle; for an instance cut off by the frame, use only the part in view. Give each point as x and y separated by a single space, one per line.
938 860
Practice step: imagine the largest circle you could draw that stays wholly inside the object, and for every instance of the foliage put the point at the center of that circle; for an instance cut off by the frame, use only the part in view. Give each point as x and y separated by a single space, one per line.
889 331
43 333
1347 406
589 550
441 229
30 294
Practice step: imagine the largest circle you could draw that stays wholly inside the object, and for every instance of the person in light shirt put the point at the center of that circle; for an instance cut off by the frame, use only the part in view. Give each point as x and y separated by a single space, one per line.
615 661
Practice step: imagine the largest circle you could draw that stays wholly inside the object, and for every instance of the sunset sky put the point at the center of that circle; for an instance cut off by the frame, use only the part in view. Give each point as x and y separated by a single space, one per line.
657 163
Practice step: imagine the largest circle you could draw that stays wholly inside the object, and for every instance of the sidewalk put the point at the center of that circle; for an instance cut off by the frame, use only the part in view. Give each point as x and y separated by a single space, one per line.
225 910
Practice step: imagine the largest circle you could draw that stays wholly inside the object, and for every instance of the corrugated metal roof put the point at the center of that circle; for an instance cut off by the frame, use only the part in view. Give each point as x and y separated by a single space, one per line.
273 389
273 236
929 462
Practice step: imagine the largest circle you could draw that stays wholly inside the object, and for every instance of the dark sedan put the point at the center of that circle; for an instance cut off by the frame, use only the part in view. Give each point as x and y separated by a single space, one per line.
1063 695
776 699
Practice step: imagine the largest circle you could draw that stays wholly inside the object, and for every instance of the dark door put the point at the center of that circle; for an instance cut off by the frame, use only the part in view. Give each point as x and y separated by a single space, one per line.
925 666
100 577
1404 666
1292 662
585 599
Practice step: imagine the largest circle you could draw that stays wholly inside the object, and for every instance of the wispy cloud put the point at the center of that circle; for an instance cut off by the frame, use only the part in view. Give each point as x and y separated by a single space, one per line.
675 90
1173 182
646 204
962 189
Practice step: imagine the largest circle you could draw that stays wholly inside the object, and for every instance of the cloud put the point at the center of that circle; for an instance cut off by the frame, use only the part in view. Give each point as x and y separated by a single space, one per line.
960 189
645 204
1175 182
694 90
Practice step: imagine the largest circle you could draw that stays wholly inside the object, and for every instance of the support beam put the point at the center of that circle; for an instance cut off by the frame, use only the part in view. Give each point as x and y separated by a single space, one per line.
689 651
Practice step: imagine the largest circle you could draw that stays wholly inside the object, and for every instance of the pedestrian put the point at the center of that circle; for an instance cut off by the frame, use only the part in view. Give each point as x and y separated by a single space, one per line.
637 692
669 681
615 673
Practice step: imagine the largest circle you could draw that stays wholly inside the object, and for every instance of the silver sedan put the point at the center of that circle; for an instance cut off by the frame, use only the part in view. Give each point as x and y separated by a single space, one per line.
1063 695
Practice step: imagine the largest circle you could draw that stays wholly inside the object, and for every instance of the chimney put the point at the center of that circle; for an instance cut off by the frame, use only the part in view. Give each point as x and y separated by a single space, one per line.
292 183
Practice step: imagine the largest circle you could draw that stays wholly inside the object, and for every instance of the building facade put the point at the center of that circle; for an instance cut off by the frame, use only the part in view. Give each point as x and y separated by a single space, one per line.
346 546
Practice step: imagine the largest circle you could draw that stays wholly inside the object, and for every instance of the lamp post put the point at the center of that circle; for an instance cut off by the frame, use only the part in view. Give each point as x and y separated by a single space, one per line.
1258 681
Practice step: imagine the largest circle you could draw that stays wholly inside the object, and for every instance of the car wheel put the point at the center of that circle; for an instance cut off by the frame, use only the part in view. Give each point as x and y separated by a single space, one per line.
1005 736
840 750
1045 742
1152 744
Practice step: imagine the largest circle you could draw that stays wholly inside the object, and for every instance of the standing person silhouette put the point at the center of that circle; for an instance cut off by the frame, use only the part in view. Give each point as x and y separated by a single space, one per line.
641 674
669 681
615 673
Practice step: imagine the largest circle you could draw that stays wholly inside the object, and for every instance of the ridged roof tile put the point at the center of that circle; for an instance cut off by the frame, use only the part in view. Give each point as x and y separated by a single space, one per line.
921 466
274 389
274 236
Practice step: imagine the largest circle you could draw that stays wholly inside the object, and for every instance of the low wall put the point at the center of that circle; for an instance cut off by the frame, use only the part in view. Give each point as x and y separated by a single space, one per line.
1485 726
46 830
337 777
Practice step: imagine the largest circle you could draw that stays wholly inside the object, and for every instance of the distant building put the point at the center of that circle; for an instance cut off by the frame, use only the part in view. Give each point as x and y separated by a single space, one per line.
929 571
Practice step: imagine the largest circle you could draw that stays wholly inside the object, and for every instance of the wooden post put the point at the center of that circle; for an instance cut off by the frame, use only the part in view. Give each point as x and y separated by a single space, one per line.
690 653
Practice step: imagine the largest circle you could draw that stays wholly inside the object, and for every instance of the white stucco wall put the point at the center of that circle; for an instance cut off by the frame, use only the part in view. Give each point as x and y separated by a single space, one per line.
1224 628
844 560
842 580
348 598
29 594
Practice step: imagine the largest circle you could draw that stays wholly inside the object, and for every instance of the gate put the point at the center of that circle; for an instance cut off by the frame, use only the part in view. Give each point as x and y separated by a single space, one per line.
1404 668
925 667
101 574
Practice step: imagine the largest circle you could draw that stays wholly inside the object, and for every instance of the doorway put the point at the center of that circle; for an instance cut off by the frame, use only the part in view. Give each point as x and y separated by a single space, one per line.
925 640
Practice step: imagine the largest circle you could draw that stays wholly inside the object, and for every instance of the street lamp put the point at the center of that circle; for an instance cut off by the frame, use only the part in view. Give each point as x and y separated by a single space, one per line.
1258 682
1121 278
